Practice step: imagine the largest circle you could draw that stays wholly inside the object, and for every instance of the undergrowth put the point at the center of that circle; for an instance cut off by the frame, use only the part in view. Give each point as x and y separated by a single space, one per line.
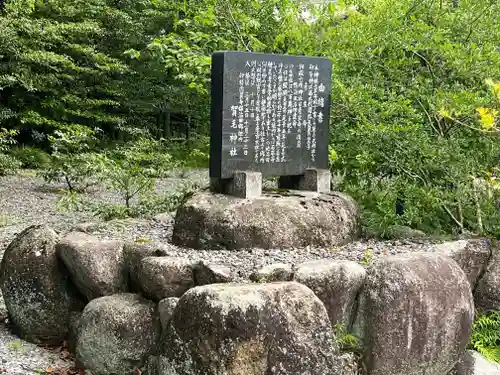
485 337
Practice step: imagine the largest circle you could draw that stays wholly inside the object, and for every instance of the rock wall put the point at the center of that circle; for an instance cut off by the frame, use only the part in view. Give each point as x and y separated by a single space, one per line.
129 309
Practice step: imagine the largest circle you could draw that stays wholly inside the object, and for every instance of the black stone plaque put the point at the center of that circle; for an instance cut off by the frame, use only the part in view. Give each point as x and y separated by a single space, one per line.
270 113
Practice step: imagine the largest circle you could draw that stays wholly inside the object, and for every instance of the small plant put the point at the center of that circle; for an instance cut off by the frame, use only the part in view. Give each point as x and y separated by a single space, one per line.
367 257
72 160
129 180
16 345
110 211
143 240
346 340
485 337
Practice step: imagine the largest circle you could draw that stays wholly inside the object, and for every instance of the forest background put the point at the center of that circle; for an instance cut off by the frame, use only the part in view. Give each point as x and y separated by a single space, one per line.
119 90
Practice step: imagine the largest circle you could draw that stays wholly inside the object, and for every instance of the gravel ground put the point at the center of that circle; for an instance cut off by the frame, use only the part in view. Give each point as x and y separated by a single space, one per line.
25 200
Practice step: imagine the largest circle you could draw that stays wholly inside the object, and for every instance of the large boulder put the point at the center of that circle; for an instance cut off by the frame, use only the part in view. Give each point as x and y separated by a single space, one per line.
36 288
208 221
415 315
163 277
487 293
134 253
474 363
209 273
97 267
117 334
337 283
249 329
471 255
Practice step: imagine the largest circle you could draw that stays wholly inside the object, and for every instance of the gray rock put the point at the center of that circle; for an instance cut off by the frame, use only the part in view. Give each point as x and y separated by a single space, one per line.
74 324
166 308
163 277
336 283
474 363
209 221
207 273
38 294
96 266
272 273
486 295
134 253
251 329
471 255
415 315
350 364
117 334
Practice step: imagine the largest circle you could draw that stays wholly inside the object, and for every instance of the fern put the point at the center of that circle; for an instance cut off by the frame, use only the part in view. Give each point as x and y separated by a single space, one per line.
485 336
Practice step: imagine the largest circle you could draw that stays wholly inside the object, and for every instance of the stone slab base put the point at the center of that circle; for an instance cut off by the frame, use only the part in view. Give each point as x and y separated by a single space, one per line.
297 219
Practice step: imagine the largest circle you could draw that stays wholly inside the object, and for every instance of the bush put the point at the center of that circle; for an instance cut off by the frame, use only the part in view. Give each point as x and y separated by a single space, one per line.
31 158
8 164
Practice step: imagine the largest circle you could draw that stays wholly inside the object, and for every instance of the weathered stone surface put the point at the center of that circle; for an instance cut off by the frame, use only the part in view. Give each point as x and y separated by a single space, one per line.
208 221
36 287
487 293
249 329
117 334
134 253
166 308
471 255
208 273
163 277
73 325
474 363
336 283
415 315
350 364
272 273
97 267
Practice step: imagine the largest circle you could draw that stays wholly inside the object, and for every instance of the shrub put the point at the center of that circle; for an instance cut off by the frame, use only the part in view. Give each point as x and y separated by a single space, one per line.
8 164
31 158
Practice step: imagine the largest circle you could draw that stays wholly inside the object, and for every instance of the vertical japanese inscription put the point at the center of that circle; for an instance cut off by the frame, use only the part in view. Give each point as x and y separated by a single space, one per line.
272 116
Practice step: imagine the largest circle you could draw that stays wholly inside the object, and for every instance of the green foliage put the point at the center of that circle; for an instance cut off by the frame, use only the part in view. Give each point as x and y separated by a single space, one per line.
150 156
414 109
30 157
8 164
128 179
346 341
72 160
485 336
367 257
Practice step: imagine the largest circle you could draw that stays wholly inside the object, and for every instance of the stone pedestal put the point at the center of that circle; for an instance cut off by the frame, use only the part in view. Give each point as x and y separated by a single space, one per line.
244 184
299 219
317 180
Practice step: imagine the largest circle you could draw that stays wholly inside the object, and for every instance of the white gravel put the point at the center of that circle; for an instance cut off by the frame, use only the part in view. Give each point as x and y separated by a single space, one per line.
25 200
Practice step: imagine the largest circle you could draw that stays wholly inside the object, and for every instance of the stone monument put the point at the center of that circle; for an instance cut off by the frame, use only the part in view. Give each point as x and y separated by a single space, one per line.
270 117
